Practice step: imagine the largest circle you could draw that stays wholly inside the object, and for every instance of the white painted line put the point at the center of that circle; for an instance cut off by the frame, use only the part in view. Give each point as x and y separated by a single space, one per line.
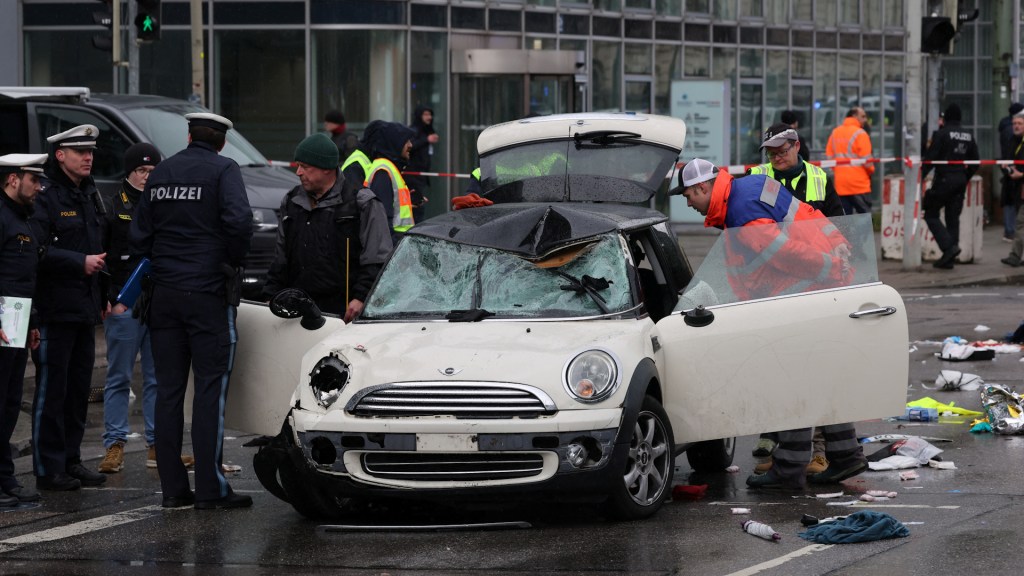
805 551
859 504
83 527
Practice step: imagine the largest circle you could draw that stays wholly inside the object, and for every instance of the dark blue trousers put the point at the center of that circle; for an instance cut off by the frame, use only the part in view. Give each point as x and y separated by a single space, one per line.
191 330
64 362
12 380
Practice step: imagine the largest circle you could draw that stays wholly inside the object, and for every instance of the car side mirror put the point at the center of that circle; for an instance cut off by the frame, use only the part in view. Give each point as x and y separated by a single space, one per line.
292 303
699 317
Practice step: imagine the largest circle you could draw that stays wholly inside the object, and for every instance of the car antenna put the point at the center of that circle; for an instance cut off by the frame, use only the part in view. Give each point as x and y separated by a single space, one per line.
566 189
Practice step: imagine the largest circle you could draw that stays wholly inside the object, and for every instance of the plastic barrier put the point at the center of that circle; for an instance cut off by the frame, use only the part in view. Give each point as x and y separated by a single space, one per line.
971 223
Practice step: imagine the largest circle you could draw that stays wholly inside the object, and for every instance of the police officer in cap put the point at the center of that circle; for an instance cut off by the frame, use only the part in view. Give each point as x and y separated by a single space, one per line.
19 256
69 300
194 223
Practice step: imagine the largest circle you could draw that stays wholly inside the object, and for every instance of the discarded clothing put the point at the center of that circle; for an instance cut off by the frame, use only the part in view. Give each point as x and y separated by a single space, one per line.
954 352
862 526
953 380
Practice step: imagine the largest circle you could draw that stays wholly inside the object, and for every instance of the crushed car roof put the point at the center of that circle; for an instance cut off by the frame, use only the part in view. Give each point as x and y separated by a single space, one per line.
535 230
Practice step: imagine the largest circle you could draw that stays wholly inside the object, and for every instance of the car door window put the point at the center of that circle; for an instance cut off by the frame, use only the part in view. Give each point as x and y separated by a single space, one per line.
782 259
108 160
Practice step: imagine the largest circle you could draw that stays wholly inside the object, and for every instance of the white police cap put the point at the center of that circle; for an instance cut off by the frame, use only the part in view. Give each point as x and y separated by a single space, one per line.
83 136
22 163
209 120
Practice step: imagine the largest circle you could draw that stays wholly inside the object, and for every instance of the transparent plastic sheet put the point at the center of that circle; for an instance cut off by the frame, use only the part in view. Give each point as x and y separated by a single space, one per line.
780 259
1004 409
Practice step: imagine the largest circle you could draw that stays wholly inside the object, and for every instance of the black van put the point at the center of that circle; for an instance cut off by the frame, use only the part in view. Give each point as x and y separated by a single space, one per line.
29 114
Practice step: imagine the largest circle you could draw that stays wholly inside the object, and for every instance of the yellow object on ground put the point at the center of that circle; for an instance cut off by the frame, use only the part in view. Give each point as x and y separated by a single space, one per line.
927 402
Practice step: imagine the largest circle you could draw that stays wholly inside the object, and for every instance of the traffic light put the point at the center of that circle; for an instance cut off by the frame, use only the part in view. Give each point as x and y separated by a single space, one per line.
147 21
936 34
104 41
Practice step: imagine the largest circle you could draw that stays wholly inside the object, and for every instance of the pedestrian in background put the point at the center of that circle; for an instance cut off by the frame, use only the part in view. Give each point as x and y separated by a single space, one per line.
194 223
946 195
334 235
346 141
1015 174
126 336
19 258
850 141
420 158
388 144
789 118
69 300
1009 199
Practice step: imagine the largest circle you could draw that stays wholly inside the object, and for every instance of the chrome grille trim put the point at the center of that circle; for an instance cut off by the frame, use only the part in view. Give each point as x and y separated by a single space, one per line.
459 399
453 467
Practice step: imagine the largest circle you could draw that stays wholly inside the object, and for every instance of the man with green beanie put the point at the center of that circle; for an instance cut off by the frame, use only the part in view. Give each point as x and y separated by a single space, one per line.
334 234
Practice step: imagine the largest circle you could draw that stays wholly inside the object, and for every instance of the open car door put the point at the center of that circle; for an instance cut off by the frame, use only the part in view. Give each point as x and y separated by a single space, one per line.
266 370
769 354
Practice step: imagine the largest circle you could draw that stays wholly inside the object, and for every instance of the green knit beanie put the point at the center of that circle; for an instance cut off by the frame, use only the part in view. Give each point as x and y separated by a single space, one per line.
317 150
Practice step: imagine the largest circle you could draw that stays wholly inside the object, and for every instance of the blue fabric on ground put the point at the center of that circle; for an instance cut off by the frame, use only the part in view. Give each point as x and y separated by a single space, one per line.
863 526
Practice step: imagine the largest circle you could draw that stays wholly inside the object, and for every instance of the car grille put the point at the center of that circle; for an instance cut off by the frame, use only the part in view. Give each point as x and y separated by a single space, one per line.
462 400
452 467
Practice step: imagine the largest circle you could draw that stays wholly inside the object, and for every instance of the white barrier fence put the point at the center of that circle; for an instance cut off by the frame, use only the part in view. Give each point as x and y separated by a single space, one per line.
971 223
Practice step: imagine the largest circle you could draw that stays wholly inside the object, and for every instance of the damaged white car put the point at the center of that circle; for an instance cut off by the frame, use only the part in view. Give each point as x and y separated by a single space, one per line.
557 343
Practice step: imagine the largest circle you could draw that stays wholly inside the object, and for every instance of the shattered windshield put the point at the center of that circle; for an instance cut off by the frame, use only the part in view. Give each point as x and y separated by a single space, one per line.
428 278
598 166
769 260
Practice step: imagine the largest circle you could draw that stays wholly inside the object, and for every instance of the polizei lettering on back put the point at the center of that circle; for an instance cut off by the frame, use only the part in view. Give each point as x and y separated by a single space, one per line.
175 193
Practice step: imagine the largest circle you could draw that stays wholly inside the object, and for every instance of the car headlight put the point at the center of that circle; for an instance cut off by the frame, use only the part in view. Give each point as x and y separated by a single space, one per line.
327 378
264 219
592 376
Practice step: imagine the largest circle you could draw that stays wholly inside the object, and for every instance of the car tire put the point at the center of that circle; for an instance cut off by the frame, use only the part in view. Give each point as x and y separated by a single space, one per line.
711 455
650 462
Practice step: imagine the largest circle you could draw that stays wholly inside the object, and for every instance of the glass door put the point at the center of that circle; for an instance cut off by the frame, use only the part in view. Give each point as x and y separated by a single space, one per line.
551 94
481 101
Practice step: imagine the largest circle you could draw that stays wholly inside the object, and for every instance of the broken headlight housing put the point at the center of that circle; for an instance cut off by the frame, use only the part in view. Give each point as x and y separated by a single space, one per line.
327 379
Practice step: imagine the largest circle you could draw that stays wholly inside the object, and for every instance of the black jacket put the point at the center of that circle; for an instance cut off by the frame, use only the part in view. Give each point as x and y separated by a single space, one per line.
952 142
71 228
19 249
345 237
193 217
420 155
120 262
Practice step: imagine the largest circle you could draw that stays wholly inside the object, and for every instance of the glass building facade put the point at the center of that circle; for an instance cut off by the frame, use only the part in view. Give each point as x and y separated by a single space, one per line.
276 66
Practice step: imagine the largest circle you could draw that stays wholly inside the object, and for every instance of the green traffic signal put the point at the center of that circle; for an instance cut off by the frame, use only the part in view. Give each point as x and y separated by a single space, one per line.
147 24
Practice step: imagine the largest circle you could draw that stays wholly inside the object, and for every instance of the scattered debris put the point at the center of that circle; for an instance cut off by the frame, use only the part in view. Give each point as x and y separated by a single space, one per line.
761 530
1004 409
689 492
862 526
741 510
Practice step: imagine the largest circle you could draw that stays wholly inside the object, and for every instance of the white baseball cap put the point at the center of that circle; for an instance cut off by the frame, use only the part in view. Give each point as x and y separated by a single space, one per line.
696 171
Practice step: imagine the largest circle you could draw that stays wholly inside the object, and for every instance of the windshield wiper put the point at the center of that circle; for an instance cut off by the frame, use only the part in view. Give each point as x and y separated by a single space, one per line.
473 315
603 137
589 285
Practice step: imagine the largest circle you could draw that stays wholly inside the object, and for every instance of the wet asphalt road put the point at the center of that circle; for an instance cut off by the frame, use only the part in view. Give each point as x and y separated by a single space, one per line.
960 520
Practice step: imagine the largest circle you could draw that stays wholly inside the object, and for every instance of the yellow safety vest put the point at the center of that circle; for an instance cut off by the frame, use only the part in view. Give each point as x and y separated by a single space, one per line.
817 180
357 156
402 219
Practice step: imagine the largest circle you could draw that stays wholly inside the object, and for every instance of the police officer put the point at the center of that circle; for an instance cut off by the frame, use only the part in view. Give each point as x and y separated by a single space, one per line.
69 301
19 256
946 195
194 223
334 236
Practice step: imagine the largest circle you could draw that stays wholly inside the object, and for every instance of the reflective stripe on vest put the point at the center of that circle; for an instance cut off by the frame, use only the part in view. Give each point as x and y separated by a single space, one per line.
475 174
402 219
357 156
817 180
849 146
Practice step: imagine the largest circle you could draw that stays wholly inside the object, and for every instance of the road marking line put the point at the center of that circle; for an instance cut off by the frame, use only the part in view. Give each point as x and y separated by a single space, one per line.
877 505
83 527
805 551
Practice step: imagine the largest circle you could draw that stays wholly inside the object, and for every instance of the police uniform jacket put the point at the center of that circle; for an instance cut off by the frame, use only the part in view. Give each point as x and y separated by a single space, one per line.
345 236
120 262
952 142
193 217
69 226
19 249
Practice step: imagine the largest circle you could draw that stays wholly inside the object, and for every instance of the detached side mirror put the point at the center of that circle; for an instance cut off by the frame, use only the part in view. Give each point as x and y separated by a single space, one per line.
292 303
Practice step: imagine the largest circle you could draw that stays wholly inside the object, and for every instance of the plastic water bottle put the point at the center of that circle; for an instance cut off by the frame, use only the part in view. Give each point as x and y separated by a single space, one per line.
761 530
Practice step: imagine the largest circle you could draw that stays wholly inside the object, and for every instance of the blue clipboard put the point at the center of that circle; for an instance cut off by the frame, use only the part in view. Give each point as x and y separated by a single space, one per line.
133 287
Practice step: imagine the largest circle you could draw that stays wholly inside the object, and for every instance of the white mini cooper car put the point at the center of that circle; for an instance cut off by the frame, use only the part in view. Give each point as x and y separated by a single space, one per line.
557 342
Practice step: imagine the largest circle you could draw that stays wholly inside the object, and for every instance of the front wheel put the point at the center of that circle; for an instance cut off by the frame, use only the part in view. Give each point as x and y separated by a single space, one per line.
645 483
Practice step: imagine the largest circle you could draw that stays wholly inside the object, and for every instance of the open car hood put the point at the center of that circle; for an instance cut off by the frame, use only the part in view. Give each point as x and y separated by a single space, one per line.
593 157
